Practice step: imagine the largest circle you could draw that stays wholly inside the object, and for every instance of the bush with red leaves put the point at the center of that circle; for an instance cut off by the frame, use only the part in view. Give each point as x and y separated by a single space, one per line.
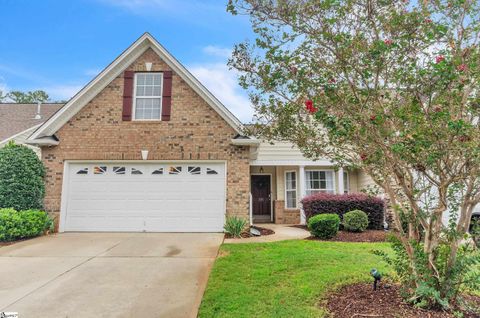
340 204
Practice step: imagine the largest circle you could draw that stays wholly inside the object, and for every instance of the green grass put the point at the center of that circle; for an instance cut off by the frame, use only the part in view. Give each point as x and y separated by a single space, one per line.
284 279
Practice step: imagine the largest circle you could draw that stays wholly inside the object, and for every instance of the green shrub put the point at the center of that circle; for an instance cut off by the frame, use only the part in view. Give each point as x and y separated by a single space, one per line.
21 178
235 226
324 226
16 225
355 221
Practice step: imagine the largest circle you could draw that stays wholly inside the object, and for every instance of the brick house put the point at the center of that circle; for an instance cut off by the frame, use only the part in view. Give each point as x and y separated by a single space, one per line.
146 147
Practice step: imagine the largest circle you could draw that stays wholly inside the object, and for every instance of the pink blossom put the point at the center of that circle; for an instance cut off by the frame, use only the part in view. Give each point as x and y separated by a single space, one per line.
439 59
388 41
461 67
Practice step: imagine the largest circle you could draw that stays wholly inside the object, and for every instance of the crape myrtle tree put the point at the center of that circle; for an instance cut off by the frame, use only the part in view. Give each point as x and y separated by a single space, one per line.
391 87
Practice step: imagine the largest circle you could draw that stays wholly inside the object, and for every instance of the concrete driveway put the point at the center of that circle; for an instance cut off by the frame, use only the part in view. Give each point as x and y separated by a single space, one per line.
107 274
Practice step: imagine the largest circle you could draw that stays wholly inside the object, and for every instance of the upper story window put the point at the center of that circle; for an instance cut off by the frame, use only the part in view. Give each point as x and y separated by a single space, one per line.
319 181
147 99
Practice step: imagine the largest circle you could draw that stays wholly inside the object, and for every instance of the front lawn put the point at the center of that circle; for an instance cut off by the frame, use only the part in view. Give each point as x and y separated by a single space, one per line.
284 279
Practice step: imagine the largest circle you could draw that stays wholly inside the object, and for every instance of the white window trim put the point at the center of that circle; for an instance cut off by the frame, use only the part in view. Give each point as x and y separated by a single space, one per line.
320 170
346 181
296 190
134 97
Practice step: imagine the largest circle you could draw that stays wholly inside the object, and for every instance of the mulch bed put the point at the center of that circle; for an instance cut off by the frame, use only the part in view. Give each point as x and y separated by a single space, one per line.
367 236
263 232
344 236
360 300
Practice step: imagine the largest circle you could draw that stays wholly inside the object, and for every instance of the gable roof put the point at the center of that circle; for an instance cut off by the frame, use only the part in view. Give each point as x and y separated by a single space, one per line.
87 93
17 118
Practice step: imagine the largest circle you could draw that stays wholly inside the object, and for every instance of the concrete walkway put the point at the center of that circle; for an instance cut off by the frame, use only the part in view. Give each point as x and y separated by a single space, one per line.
282 232
107 274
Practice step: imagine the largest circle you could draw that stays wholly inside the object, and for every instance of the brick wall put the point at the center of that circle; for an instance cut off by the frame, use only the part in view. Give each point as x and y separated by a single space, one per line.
285 216
195 132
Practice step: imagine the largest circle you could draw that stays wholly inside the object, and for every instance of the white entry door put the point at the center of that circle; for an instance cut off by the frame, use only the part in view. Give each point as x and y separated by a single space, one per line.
144 197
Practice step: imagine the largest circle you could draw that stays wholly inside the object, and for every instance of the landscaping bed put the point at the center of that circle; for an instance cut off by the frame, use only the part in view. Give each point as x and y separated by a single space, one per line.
345 236
367 236
360 300
263 231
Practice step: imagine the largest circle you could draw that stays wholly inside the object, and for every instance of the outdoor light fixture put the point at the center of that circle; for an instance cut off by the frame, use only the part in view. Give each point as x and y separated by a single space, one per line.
144 154
376 277
261 169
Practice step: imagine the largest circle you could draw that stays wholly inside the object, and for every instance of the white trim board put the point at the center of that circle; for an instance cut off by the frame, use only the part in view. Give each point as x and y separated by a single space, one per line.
318 163
87 93
285 189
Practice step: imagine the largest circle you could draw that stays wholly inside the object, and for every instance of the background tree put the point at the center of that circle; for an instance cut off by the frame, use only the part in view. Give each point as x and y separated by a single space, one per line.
390 87
28 97
21 178
3 96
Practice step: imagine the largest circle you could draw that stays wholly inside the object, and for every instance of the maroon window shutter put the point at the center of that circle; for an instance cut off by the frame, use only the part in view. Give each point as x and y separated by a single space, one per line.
127 95
167 95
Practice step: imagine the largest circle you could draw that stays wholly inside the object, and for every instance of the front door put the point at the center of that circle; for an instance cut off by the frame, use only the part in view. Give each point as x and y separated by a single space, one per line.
261 204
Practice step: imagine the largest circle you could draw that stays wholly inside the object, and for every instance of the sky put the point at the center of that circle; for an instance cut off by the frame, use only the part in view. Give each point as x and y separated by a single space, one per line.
59 46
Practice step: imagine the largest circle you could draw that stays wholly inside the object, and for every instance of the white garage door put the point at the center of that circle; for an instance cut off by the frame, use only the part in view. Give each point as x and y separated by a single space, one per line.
145 197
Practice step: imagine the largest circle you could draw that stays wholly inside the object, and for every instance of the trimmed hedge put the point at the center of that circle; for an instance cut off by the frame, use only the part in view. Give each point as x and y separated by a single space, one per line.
321 203
21 178
324 226
15 225
355 221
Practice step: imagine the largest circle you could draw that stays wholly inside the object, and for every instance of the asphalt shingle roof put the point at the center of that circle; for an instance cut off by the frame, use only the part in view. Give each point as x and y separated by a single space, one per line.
15 118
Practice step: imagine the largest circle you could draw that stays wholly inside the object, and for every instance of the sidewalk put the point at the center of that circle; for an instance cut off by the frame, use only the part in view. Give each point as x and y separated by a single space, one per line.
282 232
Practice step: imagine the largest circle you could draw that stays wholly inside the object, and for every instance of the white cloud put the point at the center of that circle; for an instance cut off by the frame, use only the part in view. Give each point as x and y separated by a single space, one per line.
222 82
92 72
62 92
217 51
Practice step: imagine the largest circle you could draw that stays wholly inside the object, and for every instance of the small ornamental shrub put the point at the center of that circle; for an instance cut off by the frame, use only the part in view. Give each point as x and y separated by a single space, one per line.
324 226
235 226
340 204
21 178
355 221
16 225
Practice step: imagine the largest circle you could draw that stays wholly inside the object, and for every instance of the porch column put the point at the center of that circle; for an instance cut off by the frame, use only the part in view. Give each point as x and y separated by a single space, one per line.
341 188
301 191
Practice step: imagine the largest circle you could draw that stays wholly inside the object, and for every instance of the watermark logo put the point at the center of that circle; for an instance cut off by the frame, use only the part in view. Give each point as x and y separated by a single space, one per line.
4 314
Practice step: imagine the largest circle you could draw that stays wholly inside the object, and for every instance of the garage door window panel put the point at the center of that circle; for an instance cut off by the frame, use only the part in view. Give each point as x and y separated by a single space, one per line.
158 171
174 170
211 171
83 171
99 170
194 170
136 171
119 170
